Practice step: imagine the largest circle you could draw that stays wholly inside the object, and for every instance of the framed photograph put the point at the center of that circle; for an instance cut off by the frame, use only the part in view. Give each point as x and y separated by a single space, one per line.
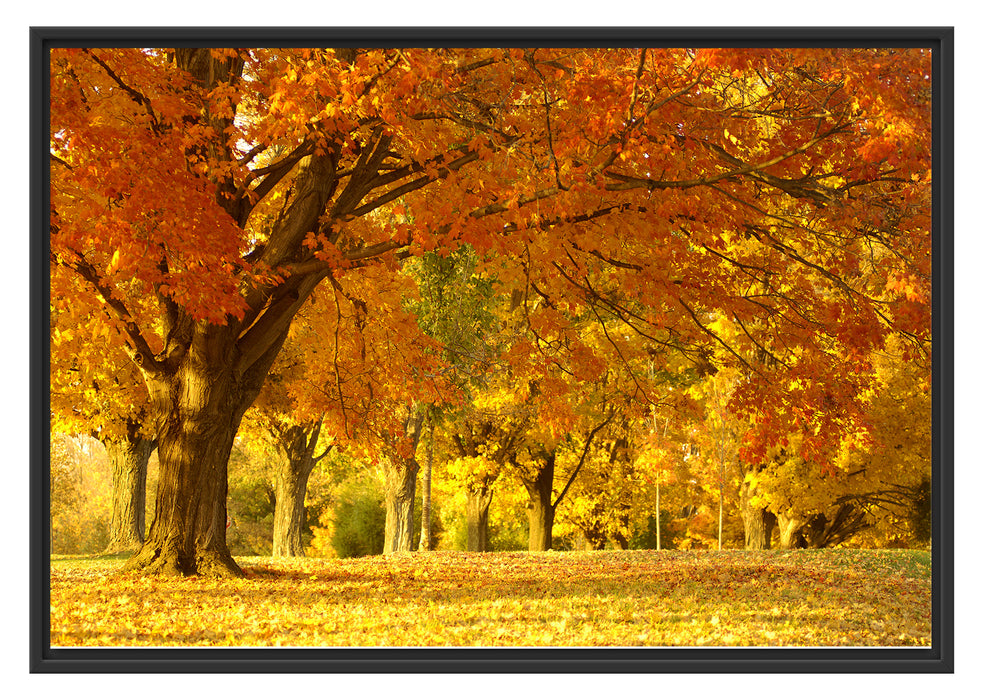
497 350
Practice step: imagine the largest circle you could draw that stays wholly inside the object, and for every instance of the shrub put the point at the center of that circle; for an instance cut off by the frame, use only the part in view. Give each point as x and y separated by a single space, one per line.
354 525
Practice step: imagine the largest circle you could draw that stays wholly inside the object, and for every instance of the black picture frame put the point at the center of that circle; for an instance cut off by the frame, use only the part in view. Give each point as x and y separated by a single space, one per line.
936 659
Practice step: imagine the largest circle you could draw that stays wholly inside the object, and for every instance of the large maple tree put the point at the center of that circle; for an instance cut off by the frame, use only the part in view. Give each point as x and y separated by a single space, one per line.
204 194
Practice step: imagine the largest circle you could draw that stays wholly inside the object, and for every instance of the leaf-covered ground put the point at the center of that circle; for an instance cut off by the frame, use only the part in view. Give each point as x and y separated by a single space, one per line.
620 598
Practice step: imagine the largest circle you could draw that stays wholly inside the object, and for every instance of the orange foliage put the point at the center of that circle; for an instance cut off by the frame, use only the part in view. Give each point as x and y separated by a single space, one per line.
655 193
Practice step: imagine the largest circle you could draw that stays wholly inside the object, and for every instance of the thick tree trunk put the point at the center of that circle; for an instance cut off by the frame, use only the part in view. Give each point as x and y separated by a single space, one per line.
198 408
594 538
400 494
297 444
476 513
187 535
129 455
789 528
758 523
541 509
754 528
540 526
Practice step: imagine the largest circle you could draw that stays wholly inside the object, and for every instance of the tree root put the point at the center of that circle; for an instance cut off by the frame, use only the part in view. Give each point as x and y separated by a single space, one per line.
210 564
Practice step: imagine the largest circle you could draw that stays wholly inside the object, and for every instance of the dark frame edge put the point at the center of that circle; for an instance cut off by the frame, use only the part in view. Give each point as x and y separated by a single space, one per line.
511 665
471 36
39 457
943 374
937 659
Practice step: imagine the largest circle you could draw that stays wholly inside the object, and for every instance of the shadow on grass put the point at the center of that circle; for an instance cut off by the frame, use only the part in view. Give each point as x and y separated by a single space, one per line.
121 557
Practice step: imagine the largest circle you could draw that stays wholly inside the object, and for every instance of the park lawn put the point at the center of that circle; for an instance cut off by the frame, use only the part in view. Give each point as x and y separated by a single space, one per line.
564 599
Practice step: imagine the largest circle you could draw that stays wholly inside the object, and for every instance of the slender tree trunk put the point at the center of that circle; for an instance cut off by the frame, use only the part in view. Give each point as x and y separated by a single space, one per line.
541 509
129 455
658 518
400 494
426 539
401 473
755 532
297 445
720 521
476 513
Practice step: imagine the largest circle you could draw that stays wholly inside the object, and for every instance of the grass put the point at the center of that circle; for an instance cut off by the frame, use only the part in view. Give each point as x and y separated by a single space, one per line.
569 599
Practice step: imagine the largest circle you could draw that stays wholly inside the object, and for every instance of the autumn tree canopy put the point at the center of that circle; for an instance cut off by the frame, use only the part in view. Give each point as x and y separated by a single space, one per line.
761 209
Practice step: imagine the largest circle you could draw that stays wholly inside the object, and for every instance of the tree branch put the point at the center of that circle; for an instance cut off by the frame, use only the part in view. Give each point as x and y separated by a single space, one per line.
717 337
630 182
135 95
583 457
138 348
271 174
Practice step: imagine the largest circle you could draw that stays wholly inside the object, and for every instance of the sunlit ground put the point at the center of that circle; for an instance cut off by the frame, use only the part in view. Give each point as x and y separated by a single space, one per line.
617 598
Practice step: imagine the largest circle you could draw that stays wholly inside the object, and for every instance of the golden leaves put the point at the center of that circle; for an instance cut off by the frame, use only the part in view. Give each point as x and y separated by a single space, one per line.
641 598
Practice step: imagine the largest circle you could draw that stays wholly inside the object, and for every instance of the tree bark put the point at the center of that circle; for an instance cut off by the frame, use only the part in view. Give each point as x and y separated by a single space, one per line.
754 528
476 507
756 533
594 538
401 472
426 538
821 531
400 494
541 509
297 444
540 525
129 454
198 408
187 535
789 531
